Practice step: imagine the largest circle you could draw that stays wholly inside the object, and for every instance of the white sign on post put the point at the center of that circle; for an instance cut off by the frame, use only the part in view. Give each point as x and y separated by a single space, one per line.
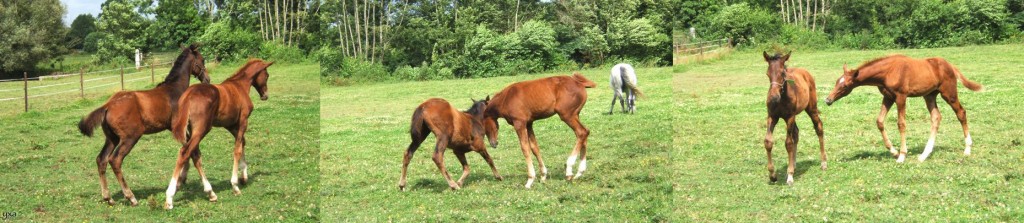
138 59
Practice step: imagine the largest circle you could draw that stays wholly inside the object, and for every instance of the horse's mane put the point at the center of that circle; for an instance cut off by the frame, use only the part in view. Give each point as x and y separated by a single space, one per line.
775 57
178 63
879 60
240 74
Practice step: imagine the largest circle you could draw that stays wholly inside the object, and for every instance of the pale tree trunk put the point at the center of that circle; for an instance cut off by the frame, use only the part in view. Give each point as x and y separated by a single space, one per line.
782 10
515 27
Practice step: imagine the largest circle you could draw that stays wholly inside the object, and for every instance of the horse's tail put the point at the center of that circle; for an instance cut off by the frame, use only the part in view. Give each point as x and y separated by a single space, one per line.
416 128
89 122
974 86
583 80
629 84
180 123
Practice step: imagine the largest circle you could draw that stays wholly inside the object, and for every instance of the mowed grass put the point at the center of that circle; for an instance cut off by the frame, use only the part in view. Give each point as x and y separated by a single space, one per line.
719 158
50 169
365 132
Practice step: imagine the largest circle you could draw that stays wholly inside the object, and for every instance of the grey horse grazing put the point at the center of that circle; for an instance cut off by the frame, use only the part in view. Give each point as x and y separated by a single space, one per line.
623 82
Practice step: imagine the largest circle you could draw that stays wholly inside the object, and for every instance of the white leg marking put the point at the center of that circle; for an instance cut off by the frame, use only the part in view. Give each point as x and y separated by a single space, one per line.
927 149
968 142
901 158
583 167
169 202
569 163
789 179
544 173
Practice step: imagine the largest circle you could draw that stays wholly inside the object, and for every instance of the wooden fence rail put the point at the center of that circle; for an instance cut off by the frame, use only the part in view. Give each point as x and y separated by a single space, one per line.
81 82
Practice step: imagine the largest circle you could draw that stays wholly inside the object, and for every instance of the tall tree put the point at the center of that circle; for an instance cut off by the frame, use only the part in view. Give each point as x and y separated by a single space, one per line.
125 29
178 22
80 28
30 32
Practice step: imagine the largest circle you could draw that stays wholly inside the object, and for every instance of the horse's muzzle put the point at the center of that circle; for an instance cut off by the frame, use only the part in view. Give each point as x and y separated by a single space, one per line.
263 98
828 101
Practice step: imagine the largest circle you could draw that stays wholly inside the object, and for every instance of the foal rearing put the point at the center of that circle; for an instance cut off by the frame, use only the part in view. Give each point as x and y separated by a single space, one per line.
792 91
898 77
204 106
460 131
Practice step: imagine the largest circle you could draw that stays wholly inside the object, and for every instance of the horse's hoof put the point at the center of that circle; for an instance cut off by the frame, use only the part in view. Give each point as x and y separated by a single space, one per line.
133 202
168 206
773 179
237 191
901 158
499 178
568 177
824 166
789 180
401 187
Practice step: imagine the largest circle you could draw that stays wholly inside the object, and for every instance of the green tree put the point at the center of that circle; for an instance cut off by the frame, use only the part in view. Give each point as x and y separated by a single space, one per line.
125 29
81 27
178 22
30 32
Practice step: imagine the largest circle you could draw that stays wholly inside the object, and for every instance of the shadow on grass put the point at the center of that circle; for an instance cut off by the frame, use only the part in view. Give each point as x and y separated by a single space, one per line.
801 168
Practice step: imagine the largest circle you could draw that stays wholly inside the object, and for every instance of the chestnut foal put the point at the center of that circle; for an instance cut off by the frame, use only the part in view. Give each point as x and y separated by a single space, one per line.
204 106
898 77
792 91
460 131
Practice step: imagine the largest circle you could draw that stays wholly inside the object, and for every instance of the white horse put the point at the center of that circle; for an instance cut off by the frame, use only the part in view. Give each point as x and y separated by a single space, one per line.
623 82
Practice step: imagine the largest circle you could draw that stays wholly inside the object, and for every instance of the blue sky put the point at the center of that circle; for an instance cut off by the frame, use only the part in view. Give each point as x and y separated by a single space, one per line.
77 7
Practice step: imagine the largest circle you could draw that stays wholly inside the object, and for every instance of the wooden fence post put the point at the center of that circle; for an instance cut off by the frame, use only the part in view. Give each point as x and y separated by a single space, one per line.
81 83
152 72
25 79
122 77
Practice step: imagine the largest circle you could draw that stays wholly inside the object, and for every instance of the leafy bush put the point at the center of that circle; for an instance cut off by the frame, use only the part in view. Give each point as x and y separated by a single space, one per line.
532 48
330 60
89 45
637 38
744 24
280 53
223 42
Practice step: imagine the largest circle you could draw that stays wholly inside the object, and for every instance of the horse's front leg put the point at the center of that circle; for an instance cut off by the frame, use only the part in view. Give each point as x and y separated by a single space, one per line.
887 101
901 110
524 144
929 100
769 142
792 138
465 167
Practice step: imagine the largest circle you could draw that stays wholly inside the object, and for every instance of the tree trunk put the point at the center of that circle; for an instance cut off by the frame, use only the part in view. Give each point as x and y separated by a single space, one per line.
782 10
515 25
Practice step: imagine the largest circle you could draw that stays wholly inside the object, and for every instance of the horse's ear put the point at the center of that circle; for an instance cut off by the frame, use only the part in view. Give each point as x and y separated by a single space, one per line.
270 63
844 69
194 46
765 54
488 98
786 57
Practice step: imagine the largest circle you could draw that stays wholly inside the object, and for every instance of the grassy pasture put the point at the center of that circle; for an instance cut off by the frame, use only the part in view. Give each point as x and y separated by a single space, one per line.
50 170
719 158
364 132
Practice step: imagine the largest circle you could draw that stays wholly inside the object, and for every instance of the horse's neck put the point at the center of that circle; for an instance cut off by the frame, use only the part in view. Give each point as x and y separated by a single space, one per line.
871 76
243 84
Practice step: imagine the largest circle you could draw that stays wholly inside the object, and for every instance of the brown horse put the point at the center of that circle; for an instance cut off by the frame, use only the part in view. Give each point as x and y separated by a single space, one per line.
460 131
128 115
227 105
524 102
791 92
898 77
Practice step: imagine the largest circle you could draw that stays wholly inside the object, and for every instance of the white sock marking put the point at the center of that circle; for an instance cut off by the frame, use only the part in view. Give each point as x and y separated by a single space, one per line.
569 163
969 143
927 149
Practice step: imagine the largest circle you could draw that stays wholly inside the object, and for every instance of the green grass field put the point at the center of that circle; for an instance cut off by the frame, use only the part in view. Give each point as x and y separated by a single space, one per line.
719 158
365 130
50 169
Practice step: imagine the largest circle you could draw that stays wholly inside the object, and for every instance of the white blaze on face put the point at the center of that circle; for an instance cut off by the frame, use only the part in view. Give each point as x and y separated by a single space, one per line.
842 79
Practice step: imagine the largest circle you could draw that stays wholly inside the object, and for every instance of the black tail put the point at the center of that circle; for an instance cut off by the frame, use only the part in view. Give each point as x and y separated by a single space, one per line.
417 126
90 121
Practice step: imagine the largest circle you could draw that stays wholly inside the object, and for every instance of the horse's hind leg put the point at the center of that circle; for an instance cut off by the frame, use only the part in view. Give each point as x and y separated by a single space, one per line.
101 166
123 148
487 157
901 110
197 161
769 142
614 97
442 144
929 100
465 166
536 151
416 141
199 131
961 115
579 149
239 132
820 130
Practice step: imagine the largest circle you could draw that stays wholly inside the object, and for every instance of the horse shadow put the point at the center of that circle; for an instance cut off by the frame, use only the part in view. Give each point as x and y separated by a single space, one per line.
192 190
801 168
440 185
884 155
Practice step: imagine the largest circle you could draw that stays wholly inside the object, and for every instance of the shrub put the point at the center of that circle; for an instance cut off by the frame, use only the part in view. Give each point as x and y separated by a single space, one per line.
223 42
744 24
280 53
89 44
